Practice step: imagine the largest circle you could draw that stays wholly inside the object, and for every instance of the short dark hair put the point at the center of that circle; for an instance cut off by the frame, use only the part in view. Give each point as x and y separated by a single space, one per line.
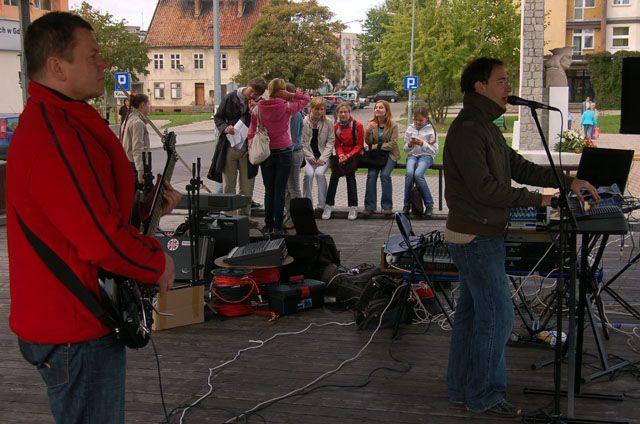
421 111
259 85
477 70
51 35
138 99
291 88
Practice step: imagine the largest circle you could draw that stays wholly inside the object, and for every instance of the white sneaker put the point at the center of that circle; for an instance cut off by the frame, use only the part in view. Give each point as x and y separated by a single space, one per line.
327 212
353 213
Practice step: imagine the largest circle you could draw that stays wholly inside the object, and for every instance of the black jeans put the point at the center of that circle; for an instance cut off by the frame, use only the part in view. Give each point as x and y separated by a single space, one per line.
275 174
352 189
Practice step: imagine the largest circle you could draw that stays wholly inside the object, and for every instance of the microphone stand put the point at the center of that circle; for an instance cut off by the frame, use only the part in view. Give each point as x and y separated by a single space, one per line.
566 218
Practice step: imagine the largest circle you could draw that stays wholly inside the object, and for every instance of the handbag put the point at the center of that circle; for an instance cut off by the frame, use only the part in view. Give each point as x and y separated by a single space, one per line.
259 148
351 164
596 132
374 158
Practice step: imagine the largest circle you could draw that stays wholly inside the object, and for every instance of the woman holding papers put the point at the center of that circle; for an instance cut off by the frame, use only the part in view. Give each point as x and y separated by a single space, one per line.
232 120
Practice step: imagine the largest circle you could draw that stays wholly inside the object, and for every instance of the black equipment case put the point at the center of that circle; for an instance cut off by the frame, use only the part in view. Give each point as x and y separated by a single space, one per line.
286 299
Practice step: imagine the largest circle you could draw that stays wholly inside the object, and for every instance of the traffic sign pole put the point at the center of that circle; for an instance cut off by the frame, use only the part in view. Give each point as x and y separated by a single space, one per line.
413 25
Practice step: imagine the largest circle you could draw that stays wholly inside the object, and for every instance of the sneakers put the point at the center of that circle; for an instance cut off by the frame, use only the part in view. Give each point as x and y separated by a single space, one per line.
428 210
353 213
505 409
327 212
406 210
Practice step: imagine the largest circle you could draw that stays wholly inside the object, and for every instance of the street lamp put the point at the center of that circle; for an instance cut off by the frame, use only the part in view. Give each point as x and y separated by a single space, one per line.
413 26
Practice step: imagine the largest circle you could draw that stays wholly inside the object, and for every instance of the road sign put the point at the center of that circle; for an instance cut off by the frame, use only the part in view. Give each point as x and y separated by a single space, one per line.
118 94
124 81
410 82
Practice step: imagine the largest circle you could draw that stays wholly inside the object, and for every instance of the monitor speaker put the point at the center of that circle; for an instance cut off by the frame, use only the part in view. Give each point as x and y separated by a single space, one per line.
630 100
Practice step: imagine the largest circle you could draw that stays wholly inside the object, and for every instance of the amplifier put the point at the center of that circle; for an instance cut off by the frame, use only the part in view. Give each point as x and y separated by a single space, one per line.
217 202
227 231
524 249
179 248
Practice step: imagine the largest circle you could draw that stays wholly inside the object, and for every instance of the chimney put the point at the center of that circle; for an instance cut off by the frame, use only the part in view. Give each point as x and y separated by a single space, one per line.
241 6
197 8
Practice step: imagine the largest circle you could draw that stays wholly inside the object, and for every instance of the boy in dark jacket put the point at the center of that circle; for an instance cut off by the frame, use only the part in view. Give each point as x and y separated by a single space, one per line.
478 169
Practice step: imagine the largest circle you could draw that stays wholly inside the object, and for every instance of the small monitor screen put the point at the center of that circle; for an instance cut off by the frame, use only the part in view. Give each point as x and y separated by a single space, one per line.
605 167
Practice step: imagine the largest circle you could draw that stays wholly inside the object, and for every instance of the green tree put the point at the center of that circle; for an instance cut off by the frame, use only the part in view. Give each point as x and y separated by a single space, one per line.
296 41
606 77
448 34
123 51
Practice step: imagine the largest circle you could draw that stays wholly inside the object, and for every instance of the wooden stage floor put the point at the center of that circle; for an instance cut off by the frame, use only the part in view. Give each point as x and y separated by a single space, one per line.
409 388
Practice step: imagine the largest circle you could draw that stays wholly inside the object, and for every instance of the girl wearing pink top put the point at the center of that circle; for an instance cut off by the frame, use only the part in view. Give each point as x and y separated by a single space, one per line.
275 114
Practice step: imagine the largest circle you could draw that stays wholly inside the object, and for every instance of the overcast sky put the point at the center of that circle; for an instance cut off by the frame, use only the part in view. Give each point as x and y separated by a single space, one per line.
140 12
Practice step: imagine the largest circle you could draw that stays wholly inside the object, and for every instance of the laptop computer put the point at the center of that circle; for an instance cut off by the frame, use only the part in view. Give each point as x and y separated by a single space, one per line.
605 167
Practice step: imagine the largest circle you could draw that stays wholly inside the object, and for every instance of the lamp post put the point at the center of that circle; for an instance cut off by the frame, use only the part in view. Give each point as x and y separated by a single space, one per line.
217 83
413 26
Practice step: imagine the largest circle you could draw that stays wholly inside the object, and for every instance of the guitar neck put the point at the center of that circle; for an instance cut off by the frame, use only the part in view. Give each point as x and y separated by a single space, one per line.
155 214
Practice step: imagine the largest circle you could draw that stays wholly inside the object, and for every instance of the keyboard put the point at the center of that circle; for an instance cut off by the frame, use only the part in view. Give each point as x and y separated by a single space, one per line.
260 253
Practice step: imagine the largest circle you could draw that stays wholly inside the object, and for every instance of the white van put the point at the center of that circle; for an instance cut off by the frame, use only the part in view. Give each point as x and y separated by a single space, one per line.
353 97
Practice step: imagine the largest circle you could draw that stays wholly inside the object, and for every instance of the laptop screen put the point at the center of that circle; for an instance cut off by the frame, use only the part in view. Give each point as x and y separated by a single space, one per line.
605 167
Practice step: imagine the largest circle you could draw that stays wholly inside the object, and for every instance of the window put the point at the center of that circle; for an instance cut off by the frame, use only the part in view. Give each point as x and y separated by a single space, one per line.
621 37
158 61
176 90
223 61
582 40
158 90
198 61
579 6
620 2
12 2
175 61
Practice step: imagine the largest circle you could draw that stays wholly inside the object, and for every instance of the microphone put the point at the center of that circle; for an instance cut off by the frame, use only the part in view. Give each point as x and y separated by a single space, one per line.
518 101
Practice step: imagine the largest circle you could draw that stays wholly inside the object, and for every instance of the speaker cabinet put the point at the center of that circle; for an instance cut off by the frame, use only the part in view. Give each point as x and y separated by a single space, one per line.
630 101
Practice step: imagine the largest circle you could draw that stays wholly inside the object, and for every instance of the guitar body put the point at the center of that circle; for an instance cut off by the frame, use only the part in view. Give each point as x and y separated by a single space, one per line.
129 303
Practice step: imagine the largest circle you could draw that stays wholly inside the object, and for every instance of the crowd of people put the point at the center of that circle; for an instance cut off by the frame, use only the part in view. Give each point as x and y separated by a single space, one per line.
316 144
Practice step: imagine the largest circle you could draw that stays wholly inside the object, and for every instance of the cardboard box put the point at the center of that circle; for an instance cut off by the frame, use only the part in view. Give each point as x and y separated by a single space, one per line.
186 304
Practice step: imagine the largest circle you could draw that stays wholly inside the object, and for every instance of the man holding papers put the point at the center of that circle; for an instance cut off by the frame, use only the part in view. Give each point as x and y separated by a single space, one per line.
232 120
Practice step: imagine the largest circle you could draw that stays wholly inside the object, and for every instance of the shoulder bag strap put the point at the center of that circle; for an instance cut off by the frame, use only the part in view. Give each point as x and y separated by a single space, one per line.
66 275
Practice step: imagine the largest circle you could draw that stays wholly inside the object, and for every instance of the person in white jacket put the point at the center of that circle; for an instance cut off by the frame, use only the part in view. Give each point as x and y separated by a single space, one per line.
421 146
318 139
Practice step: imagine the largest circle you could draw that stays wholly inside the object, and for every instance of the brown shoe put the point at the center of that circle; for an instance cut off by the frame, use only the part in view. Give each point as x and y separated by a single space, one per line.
289 226
253 224
387 211
366 212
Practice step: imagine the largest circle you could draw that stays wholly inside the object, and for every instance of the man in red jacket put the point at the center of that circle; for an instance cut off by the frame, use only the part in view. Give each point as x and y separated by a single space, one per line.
69 188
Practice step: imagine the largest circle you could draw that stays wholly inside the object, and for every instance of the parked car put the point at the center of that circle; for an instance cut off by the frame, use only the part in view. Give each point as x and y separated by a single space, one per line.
353 97
8 124
388 95
332 104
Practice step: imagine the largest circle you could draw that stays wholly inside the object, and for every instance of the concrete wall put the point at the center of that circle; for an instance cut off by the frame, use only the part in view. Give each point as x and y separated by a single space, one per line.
11 99
188 77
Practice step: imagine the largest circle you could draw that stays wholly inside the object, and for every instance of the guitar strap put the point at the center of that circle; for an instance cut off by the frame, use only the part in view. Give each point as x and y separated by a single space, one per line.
66 276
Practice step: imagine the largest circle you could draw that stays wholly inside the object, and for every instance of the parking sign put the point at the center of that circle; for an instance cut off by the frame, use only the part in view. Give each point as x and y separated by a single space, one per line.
123 81
410 82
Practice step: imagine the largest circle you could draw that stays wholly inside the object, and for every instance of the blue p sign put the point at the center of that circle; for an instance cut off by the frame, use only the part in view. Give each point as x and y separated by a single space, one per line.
410 82
123 81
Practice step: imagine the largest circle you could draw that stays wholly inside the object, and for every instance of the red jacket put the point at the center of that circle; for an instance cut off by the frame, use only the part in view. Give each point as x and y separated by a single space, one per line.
344 144
70 183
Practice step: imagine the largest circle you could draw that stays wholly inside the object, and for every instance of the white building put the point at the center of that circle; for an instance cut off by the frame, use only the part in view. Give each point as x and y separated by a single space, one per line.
180 41
11 98
623 25
352 59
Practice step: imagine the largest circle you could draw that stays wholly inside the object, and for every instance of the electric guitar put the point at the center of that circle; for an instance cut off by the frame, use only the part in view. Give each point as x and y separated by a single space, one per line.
129 303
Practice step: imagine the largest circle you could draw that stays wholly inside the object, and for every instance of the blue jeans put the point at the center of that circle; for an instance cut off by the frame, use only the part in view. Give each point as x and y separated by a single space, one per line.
85 381
588 130
275 174
370 194
483 323
416 167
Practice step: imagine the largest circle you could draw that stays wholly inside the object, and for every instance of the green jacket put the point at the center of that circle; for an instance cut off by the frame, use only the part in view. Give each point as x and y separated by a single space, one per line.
479 167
